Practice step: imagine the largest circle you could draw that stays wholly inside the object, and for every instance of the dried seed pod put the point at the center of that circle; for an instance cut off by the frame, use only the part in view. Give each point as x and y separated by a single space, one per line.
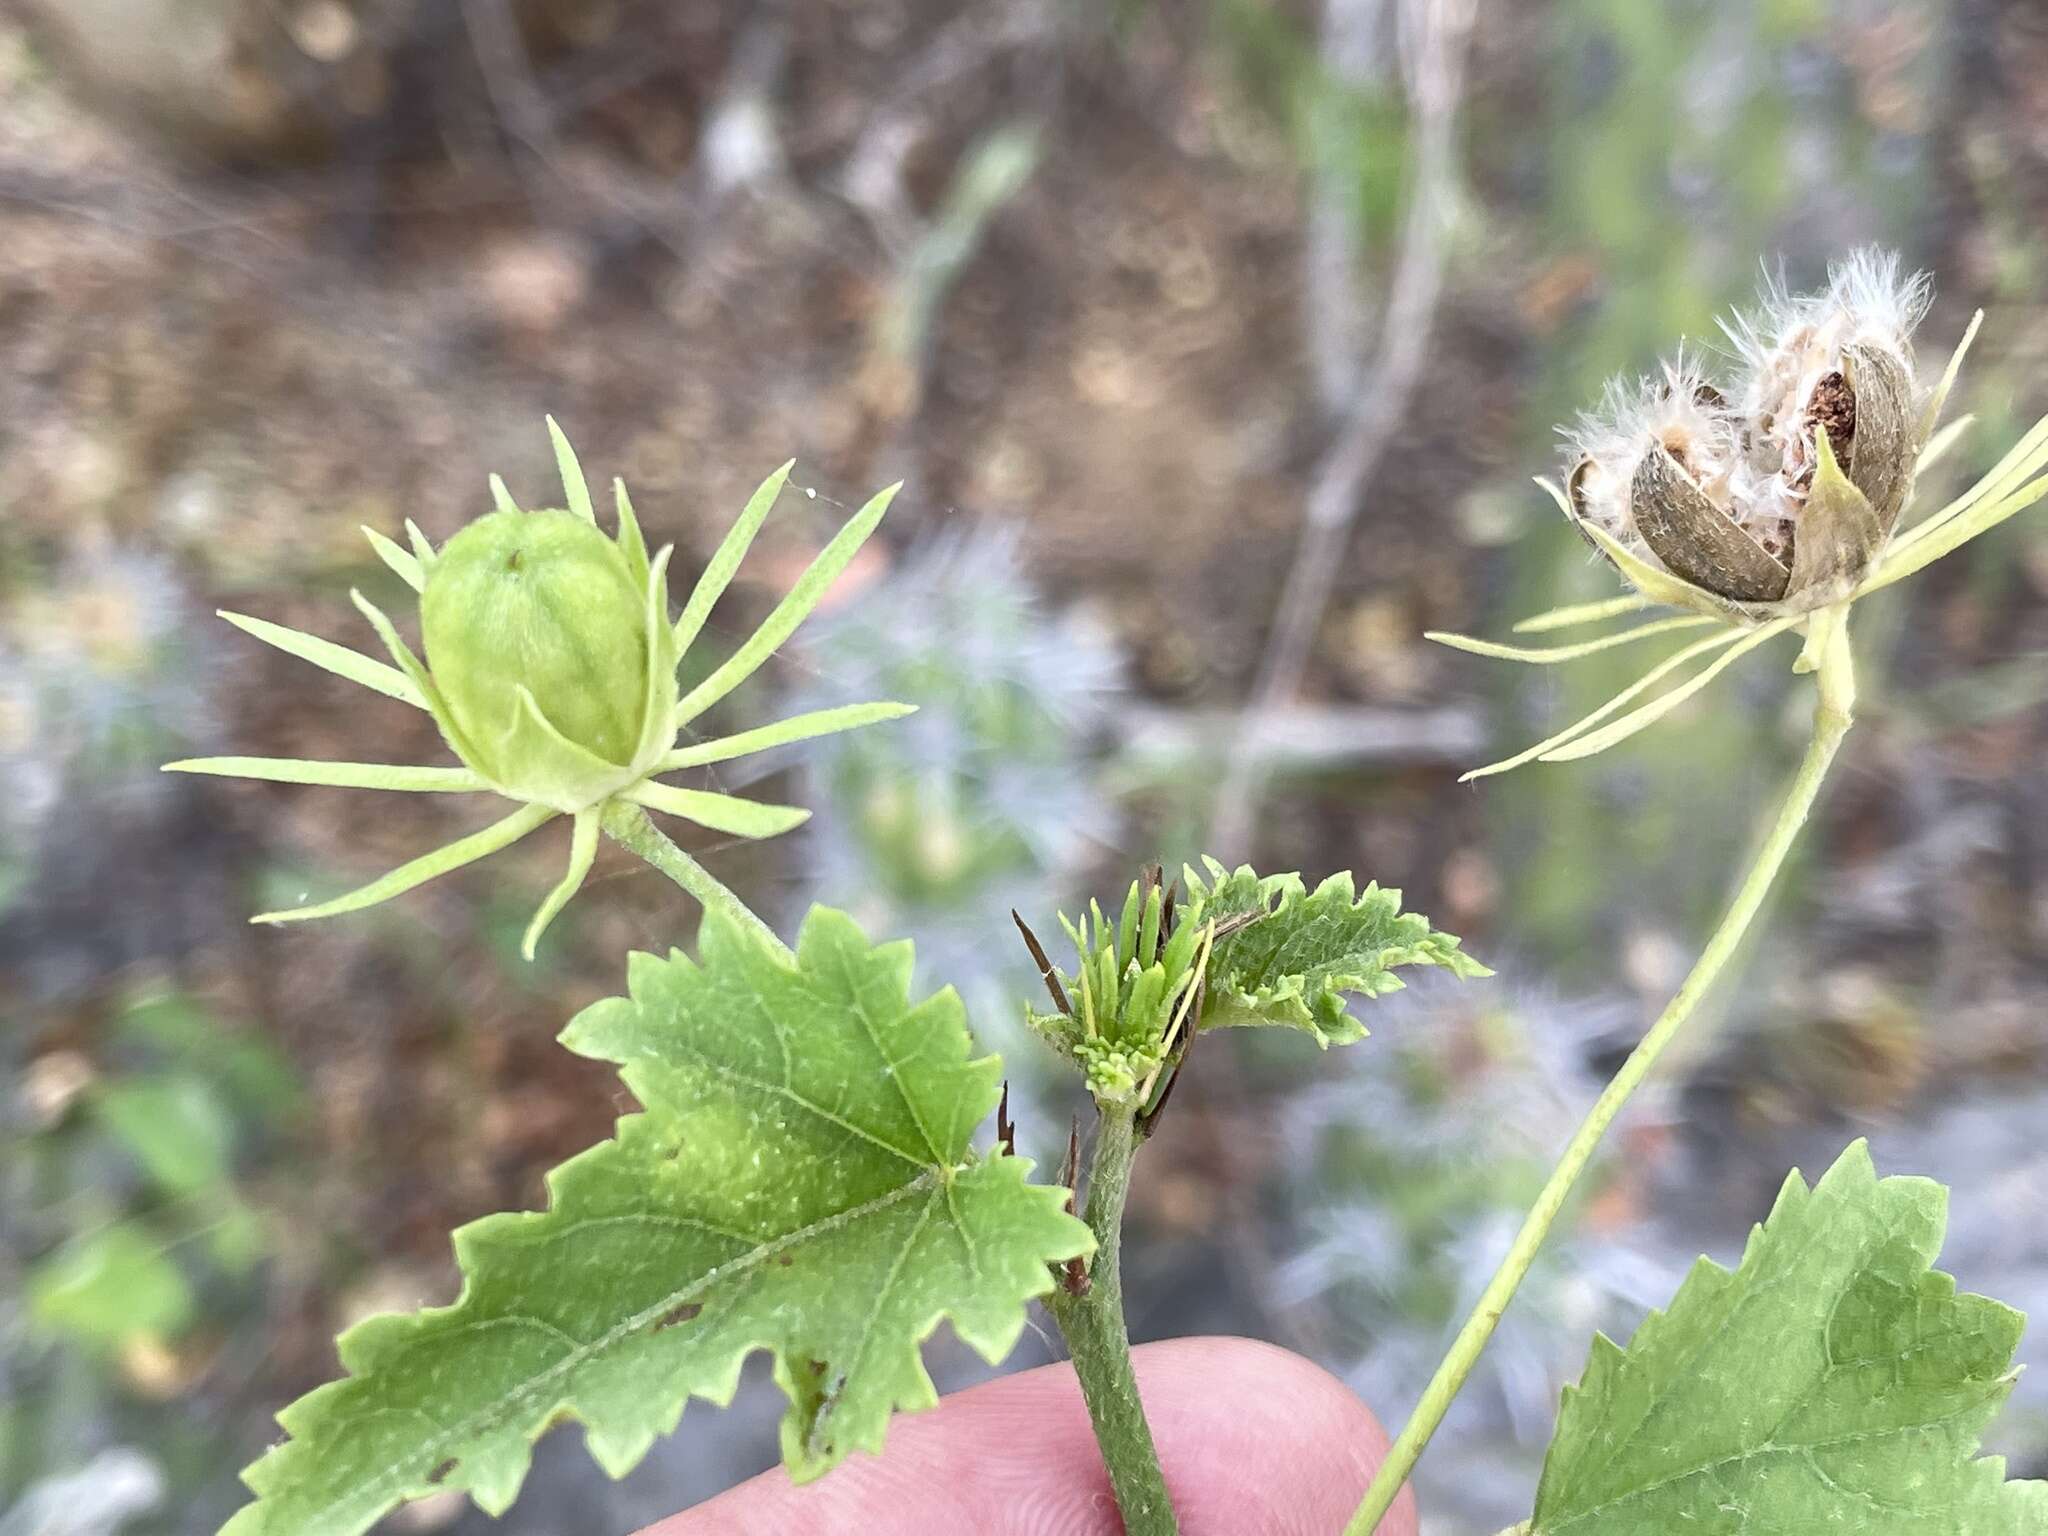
1883 436
1580 496
1697 540
1776 497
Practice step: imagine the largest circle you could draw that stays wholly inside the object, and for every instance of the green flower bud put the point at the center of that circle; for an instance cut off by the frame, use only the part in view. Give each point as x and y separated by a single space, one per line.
551 670
541 638
1114 1072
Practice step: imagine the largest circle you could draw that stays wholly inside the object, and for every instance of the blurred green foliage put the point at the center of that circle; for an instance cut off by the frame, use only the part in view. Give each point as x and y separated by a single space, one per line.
1352 135
141 1238
985 798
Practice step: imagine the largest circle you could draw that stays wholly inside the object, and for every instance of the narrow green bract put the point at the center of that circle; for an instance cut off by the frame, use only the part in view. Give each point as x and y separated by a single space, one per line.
801 1182
1834 1381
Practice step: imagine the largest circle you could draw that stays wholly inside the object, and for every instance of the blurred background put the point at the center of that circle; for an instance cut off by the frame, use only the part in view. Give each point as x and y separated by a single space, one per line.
1132 293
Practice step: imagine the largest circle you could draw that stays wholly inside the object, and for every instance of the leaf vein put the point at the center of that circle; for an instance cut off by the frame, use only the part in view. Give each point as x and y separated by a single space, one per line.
388 1484
857 999
734 1075
874 1331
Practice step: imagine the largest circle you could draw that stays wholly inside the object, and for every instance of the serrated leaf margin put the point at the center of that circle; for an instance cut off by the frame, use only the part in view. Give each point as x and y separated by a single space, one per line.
493 1481
2024 1505
1312 1003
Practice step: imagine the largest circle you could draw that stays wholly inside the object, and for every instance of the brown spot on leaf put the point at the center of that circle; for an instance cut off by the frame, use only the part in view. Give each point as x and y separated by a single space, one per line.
681 1314
440 1473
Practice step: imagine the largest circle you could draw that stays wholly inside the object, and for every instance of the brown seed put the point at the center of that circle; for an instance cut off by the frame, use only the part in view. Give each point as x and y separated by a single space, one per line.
1833 405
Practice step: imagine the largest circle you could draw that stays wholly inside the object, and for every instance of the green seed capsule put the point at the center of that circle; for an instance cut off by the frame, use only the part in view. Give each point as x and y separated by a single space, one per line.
551 671
537 638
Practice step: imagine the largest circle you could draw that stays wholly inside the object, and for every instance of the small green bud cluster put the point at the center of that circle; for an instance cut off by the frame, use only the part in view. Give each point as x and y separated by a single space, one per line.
1127 1010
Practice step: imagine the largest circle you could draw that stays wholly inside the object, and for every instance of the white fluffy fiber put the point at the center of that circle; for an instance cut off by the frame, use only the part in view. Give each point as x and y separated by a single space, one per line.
1679 407
1747 444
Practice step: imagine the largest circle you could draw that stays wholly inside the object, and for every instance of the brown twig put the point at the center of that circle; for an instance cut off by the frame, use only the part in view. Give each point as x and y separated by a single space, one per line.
661 212
1438 30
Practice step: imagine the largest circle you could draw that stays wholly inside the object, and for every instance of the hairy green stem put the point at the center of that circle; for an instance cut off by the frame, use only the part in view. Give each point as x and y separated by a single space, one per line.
1828 650
1093 1324
631 828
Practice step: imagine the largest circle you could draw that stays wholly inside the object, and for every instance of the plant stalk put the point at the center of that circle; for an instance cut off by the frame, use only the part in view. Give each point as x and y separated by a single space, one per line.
1093 1325
631 827
1828 646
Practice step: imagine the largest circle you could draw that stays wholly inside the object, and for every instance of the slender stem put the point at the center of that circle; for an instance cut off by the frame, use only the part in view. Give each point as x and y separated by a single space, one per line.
1093 1324
631 828
1831 720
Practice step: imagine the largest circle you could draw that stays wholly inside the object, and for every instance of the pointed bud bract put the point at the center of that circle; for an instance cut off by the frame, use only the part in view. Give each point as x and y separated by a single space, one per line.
1840 533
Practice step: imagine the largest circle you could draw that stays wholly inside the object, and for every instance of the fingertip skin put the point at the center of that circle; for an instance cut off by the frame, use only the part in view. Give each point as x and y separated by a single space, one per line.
1254 1440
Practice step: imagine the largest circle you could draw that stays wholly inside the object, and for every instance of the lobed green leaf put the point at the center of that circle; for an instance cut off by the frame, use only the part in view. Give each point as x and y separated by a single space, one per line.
801 1182
1833 1381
